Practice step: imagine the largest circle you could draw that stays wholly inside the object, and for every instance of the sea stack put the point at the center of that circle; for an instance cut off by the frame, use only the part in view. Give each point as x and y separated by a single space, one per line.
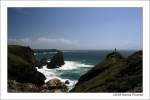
56 61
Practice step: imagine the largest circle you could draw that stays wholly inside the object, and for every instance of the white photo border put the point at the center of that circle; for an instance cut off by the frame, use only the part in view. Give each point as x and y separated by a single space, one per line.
140 96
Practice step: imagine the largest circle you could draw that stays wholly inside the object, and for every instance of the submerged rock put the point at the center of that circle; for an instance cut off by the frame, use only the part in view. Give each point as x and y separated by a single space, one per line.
57 60
114 74
67 82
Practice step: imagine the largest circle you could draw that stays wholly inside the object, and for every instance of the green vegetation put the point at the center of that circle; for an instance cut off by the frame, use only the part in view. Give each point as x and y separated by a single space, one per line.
114 74
21 52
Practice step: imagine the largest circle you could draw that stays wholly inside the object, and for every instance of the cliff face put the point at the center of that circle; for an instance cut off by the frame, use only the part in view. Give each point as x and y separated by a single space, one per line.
21 65
114 74
25 53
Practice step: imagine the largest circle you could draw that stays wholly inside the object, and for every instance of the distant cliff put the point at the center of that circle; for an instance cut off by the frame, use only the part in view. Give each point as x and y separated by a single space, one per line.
45 50
114 74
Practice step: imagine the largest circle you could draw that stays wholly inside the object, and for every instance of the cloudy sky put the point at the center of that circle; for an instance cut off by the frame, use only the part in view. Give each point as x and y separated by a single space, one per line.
76 28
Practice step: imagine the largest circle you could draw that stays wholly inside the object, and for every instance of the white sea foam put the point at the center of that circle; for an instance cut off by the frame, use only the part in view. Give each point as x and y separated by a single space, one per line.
55 73
69 65
67 51
51 74
35 53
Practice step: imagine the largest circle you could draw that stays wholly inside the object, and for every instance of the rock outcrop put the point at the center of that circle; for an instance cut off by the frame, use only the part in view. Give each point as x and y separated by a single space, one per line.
26 53
114 74
42 62
56 61
21 65
16 87
24 77
53 85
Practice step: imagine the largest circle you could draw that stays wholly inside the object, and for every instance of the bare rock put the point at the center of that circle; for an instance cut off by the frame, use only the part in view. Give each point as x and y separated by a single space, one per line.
54 85
57 60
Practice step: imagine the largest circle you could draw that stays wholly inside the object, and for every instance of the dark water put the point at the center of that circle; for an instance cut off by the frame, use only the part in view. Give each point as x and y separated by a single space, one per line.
84 56
77 63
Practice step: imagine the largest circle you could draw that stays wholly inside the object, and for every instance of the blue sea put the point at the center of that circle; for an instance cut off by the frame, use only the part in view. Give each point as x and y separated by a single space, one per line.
77 63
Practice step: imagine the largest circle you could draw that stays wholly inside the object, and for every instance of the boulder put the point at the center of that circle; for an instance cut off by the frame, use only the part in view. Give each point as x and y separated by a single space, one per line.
54 85
56 61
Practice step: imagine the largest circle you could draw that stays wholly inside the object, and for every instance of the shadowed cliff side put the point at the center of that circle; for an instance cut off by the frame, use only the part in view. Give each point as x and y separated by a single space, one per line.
21 65
24 77
114 74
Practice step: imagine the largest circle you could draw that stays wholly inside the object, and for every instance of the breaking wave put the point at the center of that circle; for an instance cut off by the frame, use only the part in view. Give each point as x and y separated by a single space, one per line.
70 71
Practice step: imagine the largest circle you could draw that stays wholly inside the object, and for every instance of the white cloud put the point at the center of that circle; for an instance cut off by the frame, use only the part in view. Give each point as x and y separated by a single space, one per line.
24 41
62 43
59 43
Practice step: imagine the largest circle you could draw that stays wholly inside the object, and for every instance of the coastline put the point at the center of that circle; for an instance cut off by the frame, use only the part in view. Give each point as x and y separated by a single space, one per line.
62 78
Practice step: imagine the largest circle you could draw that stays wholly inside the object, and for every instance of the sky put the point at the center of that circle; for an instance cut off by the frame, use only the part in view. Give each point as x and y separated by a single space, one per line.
76 28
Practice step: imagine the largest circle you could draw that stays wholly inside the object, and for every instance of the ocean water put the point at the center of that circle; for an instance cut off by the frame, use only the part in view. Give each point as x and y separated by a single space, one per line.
77 63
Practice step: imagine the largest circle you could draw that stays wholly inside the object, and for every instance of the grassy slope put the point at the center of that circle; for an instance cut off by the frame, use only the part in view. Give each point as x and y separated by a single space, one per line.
114 74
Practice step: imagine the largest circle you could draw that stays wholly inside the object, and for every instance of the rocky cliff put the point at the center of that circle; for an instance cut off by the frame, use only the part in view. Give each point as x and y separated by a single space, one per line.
21 65
24 77
114 74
